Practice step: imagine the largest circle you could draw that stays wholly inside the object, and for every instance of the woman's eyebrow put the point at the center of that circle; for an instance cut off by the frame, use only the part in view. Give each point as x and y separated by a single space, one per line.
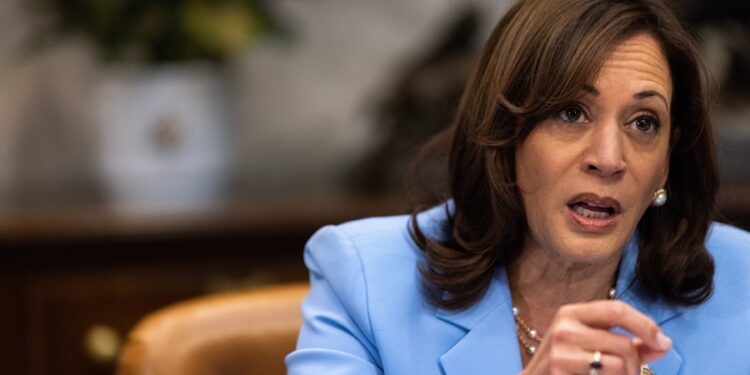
639 96
651 93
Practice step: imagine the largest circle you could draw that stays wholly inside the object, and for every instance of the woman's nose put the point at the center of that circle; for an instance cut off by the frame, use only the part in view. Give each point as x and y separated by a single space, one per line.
605 156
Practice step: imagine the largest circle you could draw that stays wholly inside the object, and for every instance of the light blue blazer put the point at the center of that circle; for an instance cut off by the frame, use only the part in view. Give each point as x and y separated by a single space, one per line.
365 313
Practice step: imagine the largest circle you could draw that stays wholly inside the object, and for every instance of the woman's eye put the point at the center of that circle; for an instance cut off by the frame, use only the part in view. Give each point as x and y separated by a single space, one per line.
646 124
573 113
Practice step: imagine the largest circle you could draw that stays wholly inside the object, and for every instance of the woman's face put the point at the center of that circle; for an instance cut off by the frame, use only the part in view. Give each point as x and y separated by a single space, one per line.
588 173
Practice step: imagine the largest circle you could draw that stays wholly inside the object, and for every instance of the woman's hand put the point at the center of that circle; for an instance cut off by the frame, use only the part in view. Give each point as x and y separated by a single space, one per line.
579 330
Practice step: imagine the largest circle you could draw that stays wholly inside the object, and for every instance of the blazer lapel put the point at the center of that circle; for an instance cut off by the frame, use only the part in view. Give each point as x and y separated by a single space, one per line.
654 307
660 312
489 345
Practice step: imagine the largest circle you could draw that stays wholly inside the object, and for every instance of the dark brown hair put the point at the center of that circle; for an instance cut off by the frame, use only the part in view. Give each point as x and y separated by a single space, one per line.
536 61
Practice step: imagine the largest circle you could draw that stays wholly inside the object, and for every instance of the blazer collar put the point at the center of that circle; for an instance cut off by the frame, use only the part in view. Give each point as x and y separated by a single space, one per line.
490 345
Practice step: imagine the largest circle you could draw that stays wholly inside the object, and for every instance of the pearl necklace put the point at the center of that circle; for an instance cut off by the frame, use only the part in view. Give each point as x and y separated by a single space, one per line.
530 338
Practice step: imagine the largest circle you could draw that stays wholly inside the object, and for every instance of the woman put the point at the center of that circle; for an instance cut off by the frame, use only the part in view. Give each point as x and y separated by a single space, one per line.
577 237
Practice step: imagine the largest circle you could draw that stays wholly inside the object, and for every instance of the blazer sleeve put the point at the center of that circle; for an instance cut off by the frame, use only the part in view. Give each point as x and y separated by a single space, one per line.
336 335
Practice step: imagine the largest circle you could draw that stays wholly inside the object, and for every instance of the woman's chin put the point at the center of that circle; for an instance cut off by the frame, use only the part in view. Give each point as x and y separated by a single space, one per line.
585 249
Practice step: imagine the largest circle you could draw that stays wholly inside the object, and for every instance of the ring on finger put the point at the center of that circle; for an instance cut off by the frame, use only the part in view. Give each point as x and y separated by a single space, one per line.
596 363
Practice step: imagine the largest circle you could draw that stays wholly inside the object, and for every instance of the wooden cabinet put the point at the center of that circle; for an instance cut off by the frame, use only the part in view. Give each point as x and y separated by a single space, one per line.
74 283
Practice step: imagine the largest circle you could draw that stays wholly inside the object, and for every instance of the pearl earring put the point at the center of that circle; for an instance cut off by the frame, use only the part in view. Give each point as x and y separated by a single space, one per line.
660 197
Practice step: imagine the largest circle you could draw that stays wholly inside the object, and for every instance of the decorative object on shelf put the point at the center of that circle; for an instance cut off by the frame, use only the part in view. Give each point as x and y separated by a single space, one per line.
163 137
162 101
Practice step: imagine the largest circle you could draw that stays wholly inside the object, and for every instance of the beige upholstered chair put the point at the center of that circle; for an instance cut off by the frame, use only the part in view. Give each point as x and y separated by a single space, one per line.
245 332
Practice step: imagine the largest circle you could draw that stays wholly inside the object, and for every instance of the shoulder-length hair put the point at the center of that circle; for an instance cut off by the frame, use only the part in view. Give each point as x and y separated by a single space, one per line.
537 59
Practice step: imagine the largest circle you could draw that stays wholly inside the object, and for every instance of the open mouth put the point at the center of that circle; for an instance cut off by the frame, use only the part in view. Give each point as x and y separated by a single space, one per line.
591 210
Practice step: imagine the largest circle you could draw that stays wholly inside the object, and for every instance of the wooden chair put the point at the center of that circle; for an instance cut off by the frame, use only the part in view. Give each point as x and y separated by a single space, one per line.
244 332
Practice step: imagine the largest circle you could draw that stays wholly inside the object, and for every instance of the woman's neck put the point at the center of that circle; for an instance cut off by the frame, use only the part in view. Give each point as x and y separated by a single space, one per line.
542 281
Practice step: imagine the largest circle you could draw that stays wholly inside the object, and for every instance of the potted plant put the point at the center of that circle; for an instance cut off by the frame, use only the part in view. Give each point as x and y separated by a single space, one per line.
162 102
158 31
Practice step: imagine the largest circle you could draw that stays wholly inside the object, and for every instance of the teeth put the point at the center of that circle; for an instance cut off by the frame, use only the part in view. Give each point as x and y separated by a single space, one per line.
597 205
583 211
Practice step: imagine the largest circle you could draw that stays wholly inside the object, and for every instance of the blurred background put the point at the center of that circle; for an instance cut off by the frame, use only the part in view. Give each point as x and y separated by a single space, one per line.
152 151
